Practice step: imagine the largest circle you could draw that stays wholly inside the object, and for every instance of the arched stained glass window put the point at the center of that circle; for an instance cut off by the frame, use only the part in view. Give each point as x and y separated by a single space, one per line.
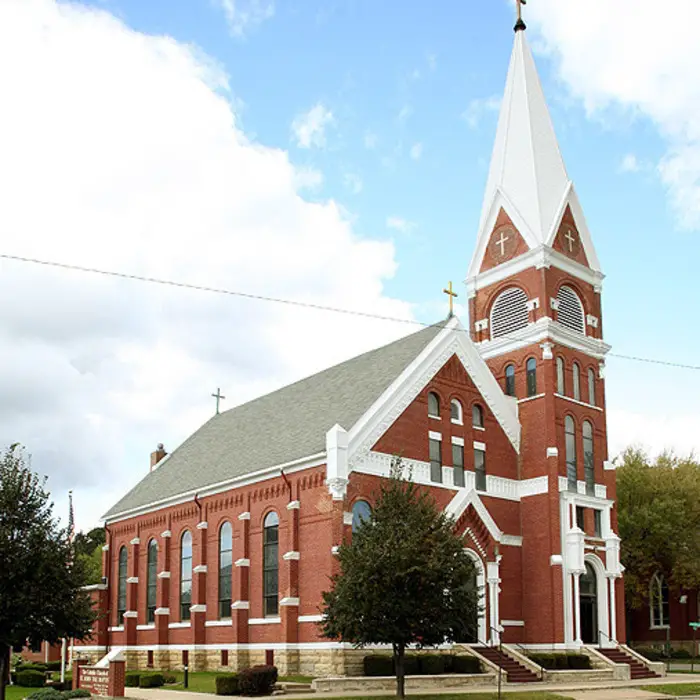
571 465
225 569
591 387
531 377
185 575
271 564
456 411
577 381
510 380
477 416
561 384
121 585
361 513
433 405
588 458
151 580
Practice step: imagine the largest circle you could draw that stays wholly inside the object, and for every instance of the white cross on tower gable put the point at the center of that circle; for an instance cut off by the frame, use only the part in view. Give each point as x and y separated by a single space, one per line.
571 239
502 243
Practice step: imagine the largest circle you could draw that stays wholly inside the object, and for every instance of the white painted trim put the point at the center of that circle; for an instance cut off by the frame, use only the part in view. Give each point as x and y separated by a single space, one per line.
552 452
335 549
200 569
240 605
456 507
244 516
481 588
296 465
293 556
289 602
264 620
456 440
513 623
609 466
479 427
132 579
179 625
198 608
435 435
480 446
219 623
118 628
531 398
293 505
311 618
580 403
94 587
277 646
105 548
163 574
166 534
533 487
511 540
347 518
162 611
131 614
242 562
150 626
203 525
135 541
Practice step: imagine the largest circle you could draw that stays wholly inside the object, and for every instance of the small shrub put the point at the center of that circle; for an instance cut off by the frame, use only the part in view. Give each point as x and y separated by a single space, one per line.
169 678
561 661
257 680
680 654
151 680
131 680
227 685
465 664
547 661
32 667
650 653
449 663
64 686
45 694
431 664
53 665
31 679
578 662
77 693
378 665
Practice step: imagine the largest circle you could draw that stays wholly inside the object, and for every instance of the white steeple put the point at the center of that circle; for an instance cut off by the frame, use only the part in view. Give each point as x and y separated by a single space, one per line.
527 177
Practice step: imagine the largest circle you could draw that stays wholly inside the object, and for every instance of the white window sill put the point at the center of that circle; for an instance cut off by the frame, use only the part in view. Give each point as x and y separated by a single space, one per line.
150 626
179 625
659 627
218 623
579 403
456 422
434 417
265 621
479 427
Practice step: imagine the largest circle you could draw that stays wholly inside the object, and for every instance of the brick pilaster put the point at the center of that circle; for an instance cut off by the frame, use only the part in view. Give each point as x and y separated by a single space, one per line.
199 583
132 592
163 615
240 607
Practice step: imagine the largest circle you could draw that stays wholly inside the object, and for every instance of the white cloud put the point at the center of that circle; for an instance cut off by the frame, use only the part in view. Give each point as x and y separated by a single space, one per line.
629 55
479 107
629 164
309 128
353 183
134 161
370 140
404 113
308 179
242 15
396 223
416 151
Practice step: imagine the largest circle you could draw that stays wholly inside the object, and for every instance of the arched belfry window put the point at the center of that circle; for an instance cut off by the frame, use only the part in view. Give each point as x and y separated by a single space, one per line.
456 411
591 387
433 405
531 377
225 569
570 312
588 458
510 380
658 602
361 513
271 564
185 575
477 416
561 384
571 464
577 381
121 586
151 581
509 312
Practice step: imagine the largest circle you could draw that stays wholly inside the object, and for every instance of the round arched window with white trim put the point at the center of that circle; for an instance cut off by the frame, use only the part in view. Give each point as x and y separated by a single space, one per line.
509 312
570 312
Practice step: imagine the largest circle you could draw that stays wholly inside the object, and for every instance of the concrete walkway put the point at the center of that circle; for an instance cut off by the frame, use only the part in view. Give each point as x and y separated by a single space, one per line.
610 690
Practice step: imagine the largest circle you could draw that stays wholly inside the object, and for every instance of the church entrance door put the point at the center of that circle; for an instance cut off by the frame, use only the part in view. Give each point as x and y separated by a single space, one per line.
588 606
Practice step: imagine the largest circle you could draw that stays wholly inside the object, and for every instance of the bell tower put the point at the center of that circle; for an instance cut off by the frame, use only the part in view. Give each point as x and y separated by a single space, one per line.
534 286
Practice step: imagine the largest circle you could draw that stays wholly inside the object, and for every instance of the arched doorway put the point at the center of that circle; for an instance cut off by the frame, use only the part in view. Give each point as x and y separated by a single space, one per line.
477 624
588 605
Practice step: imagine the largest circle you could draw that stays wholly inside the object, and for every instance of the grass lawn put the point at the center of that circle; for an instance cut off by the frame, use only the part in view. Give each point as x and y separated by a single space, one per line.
536 695
15 692
674 688
203 681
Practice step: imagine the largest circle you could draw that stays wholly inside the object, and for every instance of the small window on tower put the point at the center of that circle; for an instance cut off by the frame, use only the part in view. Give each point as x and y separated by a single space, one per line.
456 411
436 460
591 387
532 377
570 312
433 405
580 518
510 380
561 386
477 416
577 382
509 312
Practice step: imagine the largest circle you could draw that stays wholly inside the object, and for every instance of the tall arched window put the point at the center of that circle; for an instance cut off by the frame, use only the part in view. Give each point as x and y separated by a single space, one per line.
561 384
577 381
456 412
225 569
658 601
361 512
121 586
509 312
571 466
151 580
588 458
531 377
477 416
510 380
570 311
433 405
271 564
185 575
591 387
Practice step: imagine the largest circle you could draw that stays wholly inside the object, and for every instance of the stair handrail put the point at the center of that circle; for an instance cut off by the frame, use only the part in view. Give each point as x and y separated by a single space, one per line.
500 652
608 637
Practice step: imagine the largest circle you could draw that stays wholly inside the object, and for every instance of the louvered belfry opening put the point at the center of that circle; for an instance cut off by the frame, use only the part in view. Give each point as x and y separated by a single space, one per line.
570 312
509 312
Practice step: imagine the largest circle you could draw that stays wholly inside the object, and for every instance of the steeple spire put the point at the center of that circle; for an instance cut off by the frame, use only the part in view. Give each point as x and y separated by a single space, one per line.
520 26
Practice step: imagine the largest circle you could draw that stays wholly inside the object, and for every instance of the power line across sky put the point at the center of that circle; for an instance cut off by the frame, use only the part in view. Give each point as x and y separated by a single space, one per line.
279 300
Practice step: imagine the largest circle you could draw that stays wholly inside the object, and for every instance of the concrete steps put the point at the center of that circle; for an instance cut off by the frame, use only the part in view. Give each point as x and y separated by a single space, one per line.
637 669
515 672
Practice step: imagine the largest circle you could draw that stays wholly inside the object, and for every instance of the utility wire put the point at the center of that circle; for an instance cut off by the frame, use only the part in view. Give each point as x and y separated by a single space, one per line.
279 300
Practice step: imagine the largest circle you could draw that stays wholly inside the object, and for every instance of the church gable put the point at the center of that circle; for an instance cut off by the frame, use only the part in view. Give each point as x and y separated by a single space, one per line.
568 239
504 244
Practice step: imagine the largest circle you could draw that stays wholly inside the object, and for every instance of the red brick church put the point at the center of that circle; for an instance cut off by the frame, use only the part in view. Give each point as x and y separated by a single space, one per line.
219 556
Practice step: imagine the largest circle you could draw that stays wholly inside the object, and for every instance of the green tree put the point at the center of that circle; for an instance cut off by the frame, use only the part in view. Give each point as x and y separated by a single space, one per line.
88 548
659 521
41 596
405 578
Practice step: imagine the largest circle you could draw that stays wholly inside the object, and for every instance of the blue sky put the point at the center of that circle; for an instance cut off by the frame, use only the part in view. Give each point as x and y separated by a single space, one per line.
333 151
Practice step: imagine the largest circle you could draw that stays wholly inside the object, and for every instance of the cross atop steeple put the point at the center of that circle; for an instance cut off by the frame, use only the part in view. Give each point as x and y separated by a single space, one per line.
520 25
218 396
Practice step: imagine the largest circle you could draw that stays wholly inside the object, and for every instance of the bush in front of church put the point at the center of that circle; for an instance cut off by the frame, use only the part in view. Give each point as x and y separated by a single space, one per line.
431 664
227 684
31 679
465 664
132 678
151 680
257 680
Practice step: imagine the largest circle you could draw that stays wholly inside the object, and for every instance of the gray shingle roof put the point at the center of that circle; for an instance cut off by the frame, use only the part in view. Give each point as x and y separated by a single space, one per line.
288 424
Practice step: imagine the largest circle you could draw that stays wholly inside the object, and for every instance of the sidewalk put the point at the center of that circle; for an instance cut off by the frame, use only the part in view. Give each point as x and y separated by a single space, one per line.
610 690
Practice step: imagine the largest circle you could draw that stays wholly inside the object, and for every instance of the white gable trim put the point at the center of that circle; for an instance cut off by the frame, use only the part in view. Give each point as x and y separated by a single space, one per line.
451 340
462 501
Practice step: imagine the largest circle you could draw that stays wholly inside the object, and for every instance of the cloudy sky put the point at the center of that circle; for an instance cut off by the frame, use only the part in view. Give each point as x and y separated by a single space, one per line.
328 151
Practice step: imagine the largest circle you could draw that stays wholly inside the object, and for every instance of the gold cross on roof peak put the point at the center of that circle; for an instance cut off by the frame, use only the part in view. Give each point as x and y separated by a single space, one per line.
451 295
